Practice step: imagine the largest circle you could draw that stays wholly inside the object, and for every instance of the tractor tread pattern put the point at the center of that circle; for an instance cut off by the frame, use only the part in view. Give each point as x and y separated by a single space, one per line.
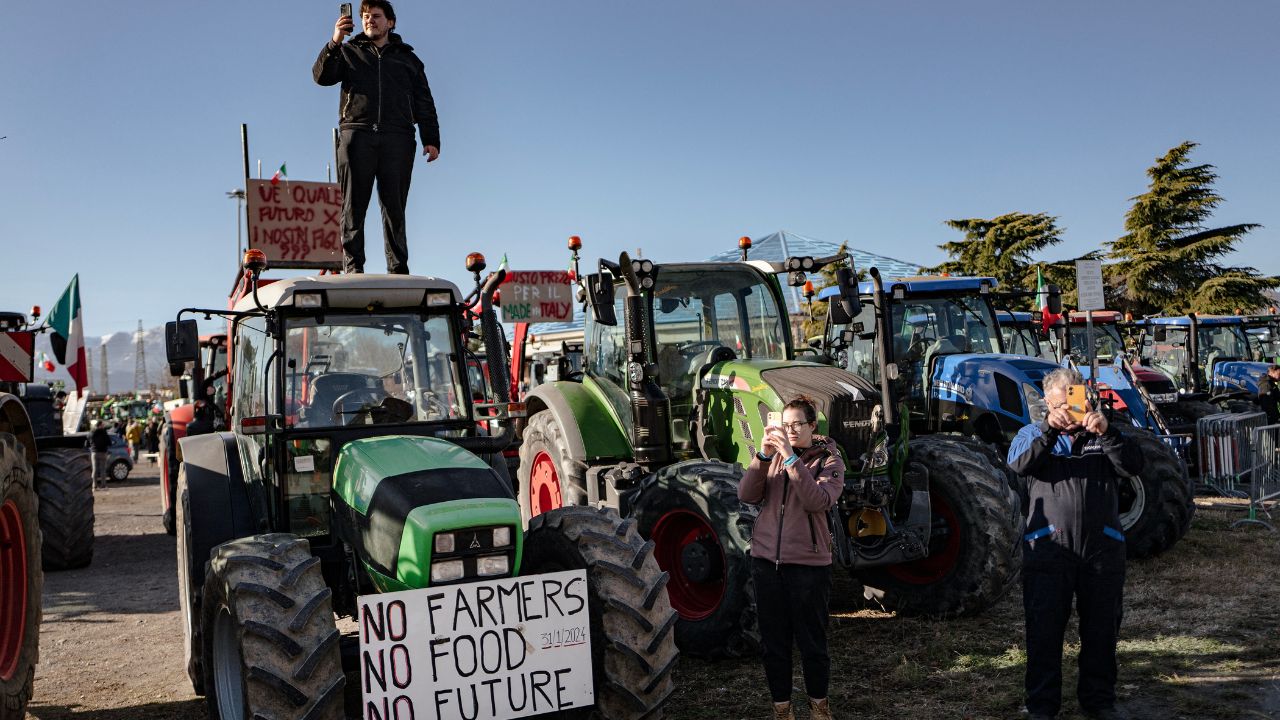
633 649
64 482
290 661
980 489
543 433
1170 497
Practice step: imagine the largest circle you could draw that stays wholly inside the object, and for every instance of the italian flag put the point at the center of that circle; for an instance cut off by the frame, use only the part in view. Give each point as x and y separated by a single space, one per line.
1042 293
282 173
68 334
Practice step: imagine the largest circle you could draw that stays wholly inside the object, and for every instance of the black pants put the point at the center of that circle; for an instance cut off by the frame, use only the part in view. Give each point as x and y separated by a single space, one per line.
792 602
365 156
1047 590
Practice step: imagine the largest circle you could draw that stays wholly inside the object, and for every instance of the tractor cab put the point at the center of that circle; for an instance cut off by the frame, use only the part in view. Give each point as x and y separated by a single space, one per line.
946 355
1206 354
1021 333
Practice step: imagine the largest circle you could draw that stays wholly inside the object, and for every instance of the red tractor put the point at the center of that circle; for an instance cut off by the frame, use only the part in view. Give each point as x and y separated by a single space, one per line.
205 389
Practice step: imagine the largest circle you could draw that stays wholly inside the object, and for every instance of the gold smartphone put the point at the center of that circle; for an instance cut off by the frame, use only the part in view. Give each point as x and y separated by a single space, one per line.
773 419
1077 402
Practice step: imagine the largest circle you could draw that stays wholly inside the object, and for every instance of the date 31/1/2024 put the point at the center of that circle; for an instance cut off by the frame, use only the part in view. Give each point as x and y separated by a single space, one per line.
564 637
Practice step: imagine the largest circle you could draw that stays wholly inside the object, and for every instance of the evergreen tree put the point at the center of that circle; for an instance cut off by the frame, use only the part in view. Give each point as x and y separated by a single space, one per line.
1000 247
1168 261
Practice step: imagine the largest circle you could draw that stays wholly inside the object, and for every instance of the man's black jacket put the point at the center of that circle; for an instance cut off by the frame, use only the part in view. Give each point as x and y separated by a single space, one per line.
1071 481
382 90
100 440
1269 398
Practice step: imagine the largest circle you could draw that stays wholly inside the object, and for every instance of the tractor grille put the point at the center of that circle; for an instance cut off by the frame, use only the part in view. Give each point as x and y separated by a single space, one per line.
846 400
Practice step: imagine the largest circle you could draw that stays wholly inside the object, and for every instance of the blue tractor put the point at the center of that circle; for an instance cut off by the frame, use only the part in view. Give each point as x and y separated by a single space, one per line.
1213 360
948 361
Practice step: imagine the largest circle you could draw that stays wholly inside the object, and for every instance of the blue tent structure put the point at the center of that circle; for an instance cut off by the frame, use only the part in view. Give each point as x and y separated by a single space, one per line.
776 247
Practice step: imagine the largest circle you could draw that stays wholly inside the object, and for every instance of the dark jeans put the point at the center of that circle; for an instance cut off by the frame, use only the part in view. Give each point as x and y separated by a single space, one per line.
365 156
791 603
1047 590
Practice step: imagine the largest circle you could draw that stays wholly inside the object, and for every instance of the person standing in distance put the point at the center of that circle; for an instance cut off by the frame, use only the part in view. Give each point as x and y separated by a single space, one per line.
795 479
1073 547
384 94
1269 394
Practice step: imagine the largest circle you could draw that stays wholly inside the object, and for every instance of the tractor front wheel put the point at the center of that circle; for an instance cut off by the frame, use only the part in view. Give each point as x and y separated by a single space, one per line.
21 580
64 481
633 647
549 476
974 554
1156 506
702 534
271 643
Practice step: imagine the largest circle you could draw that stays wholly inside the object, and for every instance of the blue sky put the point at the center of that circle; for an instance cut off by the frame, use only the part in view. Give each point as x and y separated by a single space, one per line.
674 127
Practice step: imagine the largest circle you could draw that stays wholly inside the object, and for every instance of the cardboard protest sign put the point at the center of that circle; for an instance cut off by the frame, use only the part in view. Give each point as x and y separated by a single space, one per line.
537 296
496 649
297 224
1089 287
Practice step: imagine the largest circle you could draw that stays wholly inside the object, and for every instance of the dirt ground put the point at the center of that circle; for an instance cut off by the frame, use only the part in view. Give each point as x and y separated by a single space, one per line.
1200 638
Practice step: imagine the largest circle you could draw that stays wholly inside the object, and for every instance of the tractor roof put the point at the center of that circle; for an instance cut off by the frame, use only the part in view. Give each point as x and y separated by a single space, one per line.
1104 317
920 284
1184 321
1012 316
353 291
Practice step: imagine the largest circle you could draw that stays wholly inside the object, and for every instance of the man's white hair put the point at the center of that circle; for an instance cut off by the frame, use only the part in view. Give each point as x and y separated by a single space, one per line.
1062 378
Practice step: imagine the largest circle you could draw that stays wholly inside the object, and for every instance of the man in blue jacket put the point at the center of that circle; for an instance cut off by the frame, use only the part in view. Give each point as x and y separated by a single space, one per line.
384 94
1074 547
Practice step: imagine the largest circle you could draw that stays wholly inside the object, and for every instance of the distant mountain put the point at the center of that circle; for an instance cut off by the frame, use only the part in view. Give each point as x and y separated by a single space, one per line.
121 357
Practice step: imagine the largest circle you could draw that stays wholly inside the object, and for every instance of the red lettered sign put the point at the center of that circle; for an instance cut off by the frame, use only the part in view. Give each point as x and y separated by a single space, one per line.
297 224
17 356
537 296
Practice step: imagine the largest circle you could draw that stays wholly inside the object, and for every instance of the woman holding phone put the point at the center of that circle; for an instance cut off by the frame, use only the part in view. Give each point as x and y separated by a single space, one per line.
795 479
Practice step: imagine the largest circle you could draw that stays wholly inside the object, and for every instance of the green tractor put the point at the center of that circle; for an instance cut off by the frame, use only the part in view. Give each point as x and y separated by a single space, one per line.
358 463
679 375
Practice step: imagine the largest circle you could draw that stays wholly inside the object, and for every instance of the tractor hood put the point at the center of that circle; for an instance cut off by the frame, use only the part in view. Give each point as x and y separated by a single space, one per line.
743 392
1238 375
1009 386
396 494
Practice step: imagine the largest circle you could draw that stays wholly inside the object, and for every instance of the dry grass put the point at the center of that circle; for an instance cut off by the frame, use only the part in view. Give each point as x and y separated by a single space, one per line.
1200 639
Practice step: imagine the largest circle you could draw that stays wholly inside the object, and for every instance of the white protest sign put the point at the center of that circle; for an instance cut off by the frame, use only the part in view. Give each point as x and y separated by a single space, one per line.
1089 289
297 224
537 296
506 648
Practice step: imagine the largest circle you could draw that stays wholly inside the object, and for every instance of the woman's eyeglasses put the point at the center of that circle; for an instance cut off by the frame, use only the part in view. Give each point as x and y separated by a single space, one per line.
795 426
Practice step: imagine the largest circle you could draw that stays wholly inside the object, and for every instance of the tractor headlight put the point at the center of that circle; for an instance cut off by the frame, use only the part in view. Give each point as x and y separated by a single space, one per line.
444 542
501 537
490 565
446 571
1037 408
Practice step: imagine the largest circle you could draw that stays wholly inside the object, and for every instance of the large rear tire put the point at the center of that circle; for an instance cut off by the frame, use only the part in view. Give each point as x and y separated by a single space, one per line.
21 580
191 571
272 643
702 534
169 467
1156 506
632 644
974 555
64 481
550 477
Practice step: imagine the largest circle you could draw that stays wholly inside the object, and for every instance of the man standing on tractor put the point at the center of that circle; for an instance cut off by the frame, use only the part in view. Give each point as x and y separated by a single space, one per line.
384 94
1269 394
1071 463
791 556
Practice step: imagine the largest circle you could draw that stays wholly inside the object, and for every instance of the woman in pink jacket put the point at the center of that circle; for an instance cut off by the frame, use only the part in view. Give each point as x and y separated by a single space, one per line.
795 479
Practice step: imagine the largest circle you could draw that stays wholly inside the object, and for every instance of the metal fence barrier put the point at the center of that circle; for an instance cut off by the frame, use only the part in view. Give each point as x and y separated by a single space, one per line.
1226 451
1264 476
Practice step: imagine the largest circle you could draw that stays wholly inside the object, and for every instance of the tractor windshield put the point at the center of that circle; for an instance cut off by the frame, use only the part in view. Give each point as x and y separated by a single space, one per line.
1020 339
1106 340
1223 342
369 369
697 309
925 327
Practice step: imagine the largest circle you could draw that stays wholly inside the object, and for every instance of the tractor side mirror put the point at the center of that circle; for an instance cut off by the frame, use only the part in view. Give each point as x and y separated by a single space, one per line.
181 342
600 296
1055 299
847 282
839 316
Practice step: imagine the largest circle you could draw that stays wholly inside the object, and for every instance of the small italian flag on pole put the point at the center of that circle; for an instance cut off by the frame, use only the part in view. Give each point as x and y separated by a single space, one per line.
1042 296
281 174
68 334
